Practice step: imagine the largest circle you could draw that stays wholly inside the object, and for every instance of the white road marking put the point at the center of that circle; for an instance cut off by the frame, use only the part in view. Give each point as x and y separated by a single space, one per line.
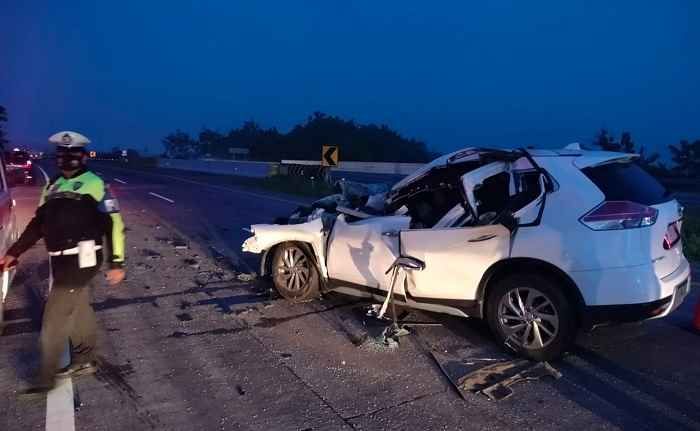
43 172
60 411
213 186
120 181
161 197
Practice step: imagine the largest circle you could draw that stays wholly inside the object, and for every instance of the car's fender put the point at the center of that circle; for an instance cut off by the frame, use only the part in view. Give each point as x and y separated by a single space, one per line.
267 236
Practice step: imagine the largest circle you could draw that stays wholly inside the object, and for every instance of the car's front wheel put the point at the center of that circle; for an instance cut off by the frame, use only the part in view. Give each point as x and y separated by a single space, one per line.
294 273
531 315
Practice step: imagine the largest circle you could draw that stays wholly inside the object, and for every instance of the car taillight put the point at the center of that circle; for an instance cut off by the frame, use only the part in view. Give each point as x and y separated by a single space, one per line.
613 215
672 236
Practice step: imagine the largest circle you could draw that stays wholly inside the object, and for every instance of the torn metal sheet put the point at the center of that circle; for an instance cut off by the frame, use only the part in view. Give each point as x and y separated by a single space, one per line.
491 376
503 389
492 372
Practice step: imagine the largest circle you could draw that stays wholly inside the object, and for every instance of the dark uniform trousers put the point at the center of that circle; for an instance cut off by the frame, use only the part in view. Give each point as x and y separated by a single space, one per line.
68 315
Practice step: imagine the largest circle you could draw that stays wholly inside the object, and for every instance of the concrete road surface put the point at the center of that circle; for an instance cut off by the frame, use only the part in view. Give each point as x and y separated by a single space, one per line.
187 343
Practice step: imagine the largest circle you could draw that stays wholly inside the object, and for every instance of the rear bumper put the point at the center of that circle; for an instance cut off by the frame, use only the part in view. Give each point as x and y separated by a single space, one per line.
622 313
611 314
628 285
631 294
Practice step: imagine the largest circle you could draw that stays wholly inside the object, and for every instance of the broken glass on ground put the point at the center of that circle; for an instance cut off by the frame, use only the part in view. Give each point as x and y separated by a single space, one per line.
246 277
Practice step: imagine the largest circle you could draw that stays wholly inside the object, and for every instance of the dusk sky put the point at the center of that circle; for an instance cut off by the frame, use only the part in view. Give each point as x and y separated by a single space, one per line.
454 74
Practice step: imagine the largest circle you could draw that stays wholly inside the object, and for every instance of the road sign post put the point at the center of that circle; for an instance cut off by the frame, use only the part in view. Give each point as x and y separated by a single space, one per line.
329 156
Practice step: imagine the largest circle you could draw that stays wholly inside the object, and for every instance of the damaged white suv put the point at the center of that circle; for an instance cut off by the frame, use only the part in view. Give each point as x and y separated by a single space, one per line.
539 243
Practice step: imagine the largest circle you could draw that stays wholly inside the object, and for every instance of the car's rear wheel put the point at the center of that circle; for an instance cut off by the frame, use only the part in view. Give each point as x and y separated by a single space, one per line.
294 273
531 315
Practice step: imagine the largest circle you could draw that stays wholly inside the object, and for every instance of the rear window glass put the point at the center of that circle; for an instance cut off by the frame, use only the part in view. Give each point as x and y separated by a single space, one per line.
627 182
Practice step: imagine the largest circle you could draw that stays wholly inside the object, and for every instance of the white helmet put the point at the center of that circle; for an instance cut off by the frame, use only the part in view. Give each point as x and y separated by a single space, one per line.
68 139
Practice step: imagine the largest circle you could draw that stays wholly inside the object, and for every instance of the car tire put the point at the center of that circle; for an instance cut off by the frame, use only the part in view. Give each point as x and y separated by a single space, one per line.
294 273
541 325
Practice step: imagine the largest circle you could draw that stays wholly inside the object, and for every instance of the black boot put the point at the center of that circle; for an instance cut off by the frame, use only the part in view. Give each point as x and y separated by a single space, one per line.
35 392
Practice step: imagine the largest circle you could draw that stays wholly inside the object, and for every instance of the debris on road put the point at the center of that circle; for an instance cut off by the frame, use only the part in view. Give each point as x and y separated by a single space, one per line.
180 244
150 254
246 277
184 317
490 376
503 390
192 263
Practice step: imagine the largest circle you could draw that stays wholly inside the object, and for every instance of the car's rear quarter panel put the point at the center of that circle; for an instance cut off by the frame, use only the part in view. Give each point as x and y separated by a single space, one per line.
609 267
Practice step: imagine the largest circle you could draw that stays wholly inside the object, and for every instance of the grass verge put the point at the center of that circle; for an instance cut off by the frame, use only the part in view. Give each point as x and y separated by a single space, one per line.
691 235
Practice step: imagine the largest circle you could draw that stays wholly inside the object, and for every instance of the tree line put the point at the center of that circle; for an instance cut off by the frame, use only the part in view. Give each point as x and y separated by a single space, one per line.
3 134
357 142
374 143
685 156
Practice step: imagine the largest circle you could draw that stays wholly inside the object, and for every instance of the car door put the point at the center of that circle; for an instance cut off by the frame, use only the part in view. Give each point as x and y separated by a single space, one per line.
360 252
455 259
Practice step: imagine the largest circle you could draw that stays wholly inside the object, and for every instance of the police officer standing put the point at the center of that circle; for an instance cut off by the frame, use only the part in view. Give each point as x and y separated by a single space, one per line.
75 213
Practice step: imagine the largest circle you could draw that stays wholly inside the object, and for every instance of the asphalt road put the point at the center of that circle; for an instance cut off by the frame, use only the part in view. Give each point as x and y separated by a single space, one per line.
186 345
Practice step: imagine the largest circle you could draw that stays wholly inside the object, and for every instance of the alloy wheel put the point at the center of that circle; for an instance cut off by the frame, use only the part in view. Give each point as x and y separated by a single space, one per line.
294 269
528 318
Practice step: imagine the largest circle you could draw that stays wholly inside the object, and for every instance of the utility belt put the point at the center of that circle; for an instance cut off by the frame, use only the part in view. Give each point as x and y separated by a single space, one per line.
86 252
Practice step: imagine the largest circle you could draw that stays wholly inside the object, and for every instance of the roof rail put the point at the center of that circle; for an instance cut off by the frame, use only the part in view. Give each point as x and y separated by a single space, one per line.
574 146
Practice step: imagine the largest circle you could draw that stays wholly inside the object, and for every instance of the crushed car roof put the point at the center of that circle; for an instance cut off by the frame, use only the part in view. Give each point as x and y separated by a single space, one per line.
472 154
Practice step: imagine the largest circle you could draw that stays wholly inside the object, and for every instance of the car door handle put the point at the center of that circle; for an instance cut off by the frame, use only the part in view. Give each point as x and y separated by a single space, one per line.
391 233
483 237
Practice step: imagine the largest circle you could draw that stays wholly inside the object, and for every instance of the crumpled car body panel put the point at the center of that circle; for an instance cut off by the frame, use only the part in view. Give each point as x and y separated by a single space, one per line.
267 236
356 235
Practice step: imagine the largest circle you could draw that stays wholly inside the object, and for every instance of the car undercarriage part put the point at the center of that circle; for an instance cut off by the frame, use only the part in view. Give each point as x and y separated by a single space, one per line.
503 389
493 377
400 265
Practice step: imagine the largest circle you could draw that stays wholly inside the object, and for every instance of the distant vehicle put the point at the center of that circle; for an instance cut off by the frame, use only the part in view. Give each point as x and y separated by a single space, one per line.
19 166
538 243
8 222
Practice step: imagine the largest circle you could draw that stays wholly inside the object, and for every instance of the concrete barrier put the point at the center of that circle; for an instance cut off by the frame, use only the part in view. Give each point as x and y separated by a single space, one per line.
224 167
366 172
390 168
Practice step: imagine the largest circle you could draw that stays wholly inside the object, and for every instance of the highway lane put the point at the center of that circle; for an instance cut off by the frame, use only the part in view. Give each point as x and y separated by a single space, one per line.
156 371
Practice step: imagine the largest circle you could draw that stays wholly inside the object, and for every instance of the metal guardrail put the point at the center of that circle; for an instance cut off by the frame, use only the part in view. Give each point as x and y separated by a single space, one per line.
307 171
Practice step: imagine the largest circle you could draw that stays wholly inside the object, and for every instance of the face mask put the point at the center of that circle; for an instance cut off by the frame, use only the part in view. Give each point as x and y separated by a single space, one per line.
69 160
